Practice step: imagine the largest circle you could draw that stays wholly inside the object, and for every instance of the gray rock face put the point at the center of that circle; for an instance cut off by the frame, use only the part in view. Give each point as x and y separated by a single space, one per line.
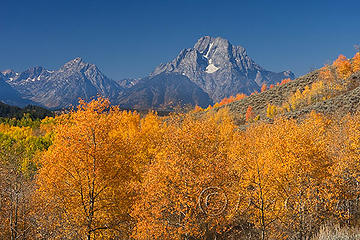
220 68
128 82
62 88
211 70
77 79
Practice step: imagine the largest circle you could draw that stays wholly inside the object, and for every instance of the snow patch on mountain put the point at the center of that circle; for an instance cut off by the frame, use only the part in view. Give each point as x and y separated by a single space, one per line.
207 54
211 68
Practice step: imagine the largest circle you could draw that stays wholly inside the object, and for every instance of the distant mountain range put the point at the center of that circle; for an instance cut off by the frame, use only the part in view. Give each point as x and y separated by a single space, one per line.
211 70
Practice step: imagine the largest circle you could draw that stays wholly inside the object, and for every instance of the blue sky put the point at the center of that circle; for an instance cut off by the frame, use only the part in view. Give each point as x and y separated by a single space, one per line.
130 38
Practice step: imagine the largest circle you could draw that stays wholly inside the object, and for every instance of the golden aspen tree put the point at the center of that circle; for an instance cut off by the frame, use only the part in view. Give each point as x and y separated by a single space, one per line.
268 111
343 67
285 107
258 203
231 99
332 82
284 81
88 176
301 151
263 87
326 74
240 96
249 115
283 169
18 146
198 109
356 62
208 108
271 111
344 184
295 100
191 163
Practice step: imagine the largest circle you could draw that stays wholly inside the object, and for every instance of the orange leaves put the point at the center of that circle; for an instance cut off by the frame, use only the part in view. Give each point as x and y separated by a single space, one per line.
282 166
263 88
284 81
356 62
343 67
89 172
117 175
197 109
249 115
254 93
240 96
192 158
344 184
227 100
232 99
336 76
224 101
326 74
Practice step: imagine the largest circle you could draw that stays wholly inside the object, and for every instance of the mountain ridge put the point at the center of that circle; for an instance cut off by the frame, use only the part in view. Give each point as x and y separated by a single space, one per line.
213 69
221 69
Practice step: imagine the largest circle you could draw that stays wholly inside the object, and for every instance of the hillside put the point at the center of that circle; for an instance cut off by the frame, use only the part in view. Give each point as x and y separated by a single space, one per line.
345 101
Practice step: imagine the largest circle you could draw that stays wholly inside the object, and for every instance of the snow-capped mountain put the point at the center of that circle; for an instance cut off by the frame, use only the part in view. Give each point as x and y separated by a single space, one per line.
63 87
211 70
221 69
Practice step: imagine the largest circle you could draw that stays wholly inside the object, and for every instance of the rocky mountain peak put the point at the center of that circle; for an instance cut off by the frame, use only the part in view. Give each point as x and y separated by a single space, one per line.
220 68
9 74
75 64
63 87
75 61
7 71
207 44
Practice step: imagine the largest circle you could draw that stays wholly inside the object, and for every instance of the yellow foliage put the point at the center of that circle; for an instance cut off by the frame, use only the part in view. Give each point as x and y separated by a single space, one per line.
356 62
281 166
271 111
193 159
111 174
343 67
197 109
326 74
317 91
87 178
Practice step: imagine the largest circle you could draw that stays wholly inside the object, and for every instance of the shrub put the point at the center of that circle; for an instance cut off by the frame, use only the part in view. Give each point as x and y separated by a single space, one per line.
335 232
